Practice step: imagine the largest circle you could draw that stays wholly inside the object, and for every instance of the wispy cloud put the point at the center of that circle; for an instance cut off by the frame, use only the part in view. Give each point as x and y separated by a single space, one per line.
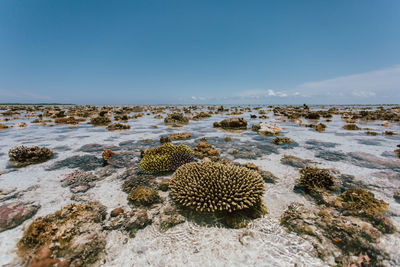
261 93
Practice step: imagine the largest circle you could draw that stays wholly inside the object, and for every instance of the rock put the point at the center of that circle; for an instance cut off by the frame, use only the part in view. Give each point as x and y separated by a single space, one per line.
21 156
268 176
107 154
14 213
19 125
169 217
227 139
116 212
100 121
232 124
79 182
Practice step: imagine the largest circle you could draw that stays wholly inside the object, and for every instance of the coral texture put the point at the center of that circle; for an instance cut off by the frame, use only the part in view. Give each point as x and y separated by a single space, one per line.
22 155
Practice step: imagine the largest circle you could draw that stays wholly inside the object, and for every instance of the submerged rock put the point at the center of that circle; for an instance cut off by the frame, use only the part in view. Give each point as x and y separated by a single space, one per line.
267 129
203 150
14 213
84 163
282 140
79 182
295 161
144 195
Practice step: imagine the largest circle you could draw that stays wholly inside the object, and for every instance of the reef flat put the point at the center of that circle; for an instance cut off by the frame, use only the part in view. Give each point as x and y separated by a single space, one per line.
199 185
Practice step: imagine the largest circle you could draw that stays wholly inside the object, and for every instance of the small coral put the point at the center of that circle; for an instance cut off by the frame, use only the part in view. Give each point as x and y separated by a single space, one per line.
144 195
158 159
69 120
313 178
22 155
3 126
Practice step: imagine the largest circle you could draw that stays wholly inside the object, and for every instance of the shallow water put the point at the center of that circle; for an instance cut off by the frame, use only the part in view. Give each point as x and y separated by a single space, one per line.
263 243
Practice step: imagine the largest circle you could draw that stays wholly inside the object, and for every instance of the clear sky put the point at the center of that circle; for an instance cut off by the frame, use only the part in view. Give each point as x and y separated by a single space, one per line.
153 52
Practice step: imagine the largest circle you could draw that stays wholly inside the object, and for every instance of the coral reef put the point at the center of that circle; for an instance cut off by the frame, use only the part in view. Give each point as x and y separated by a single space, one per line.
19 125
176 120
73 233
79 182
362 203
143 195
282 141
320 127
294 161
100 121
232 124
333 235
158 159
3 126
69 120
351 127
22 155
179 136
118 127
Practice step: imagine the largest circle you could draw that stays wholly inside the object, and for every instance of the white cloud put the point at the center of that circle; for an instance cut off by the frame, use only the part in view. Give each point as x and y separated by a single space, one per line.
261 93
382 83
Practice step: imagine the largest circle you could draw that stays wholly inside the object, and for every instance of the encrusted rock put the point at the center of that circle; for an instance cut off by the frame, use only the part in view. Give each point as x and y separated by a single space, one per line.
351 127
294 161
79 181
116 212
22 155
144 195
267 129
203 150
73 233
118 127
180 136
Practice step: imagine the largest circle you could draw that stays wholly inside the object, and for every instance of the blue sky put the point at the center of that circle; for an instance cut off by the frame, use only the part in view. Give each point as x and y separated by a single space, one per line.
153 52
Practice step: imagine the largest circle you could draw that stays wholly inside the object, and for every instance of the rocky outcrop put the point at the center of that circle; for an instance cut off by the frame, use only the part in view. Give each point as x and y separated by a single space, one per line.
14 213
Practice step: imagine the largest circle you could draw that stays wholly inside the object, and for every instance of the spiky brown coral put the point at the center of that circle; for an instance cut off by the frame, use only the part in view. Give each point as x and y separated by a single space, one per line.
212 187
180 158
158 159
